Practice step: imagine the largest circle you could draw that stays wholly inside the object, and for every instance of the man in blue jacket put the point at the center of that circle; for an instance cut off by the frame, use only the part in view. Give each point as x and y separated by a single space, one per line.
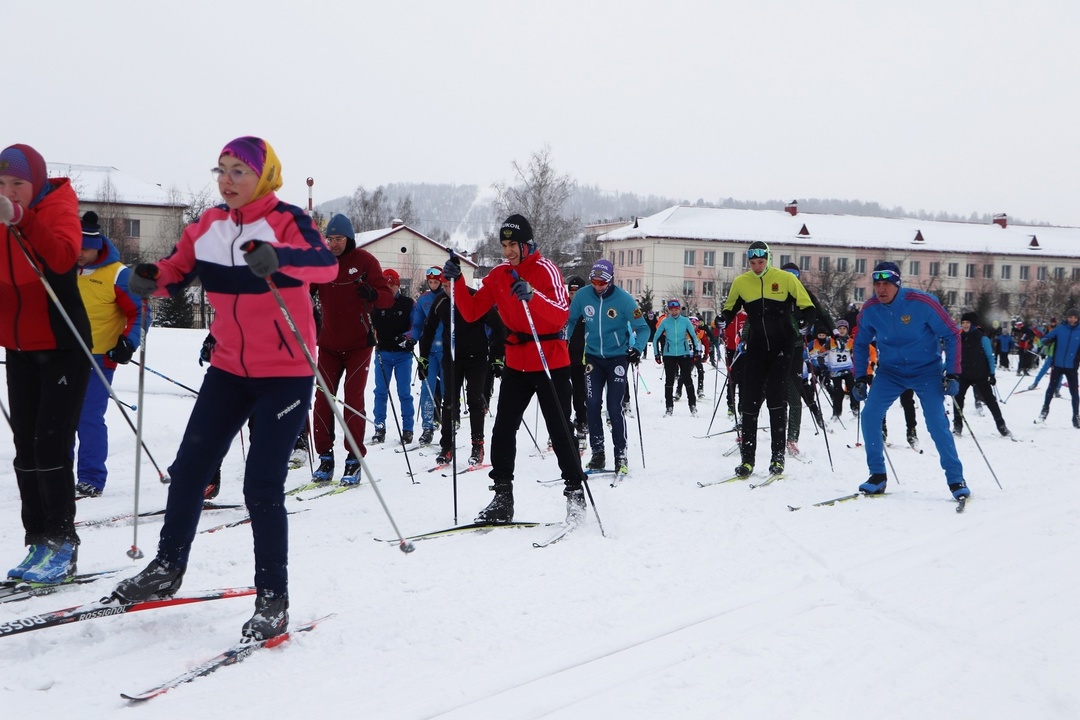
430 385
1066 339
615 336
910 328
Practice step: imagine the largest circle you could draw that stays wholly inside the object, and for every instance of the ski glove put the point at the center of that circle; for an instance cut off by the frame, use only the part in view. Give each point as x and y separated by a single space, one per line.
207 349
992 380
862 388
497 367
405 343
659 359
10 213
121 354
261 257
951 385
422 367
522 290
366 292
633 355
143 282
452 269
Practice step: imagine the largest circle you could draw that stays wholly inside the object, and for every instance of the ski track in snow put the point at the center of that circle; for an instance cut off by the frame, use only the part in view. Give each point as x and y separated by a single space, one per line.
699 603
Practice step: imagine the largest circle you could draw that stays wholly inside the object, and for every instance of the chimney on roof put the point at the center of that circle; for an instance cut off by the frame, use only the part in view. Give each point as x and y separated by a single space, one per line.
1001 219
635 221
396 223
792 208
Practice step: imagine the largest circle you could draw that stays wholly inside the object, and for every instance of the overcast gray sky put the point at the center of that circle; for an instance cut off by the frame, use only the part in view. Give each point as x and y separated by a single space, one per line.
956 105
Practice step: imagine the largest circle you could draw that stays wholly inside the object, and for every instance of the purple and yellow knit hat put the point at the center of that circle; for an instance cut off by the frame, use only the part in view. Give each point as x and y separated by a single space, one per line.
26 163
257 154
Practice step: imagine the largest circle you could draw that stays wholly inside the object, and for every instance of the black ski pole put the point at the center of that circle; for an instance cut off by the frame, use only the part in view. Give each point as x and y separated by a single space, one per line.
637 411
558 403
393 409
956 409
166 377
1018 381
452 407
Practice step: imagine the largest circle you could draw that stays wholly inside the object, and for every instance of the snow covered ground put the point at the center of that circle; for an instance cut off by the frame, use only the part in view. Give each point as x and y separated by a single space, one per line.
699 602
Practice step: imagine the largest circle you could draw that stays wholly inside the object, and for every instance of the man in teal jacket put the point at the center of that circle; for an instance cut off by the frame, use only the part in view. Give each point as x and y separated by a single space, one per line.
615 336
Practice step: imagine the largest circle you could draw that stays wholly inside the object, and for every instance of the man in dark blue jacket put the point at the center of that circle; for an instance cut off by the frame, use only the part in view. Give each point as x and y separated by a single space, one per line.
911 329
1066 339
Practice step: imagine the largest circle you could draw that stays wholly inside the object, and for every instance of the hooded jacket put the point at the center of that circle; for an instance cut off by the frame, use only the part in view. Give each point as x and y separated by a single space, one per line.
113 311
29 320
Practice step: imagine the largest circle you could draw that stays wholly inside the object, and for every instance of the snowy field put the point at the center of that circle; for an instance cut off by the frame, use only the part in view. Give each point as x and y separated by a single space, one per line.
699 602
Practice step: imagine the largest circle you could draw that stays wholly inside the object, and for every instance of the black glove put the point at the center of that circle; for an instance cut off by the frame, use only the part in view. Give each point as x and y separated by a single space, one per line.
992 380
522 290
633 355
804 329
422 367
405 342
862 388
452 269
366 292
121 354
207 348
659 359
497 367
261 257
950 384
143 280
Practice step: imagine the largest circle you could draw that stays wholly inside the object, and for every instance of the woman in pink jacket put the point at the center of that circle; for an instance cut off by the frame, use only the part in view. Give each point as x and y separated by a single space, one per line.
257 370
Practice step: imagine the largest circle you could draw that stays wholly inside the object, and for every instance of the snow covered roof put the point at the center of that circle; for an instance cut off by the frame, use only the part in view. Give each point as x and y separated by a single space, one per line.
369 236
93 182
777 226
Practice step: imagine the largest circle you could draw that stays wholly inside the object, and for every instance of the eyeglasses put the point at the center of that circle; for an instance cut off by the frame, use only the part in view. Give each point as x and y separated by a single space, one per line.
757 253
236 174
886 275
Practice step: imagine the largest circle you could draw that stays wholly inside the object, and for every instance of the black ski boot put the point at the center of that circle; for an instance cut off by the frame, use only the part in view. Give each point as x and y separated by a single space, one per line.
427 436
156 582
379 436
406 437
214 486
445 457
575 505
501 508
776 465
598 461
477 455
271 616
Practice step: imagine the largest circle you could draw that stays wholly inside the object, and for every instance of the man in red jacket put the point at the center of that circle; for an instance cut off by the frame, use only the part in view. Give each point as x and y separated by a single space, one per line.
346 342
526 279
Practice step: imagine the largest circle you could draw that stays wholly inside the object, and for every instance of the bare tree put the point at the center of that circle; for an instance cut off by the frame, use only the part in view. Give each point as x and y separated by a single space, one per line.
539 194
833 288
1043 299
114 221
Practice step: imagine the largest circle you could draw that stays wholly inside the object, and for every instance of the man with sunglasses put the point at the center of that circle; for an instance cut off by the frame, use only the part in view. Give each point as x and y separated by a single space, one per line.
615 336
911 329
430 382
777 309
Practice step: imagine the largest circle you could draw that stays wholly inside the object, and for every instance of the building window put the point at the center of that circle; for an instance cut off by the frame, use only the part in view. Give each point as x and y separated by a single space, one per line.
727 288
969 298
1025 272
708 288
745 261
132 228
729 259
841 264
1040 274
913 268
804 262
935 269
620 258
1076 273
860 266
784 260
860 294
1021 299
1059 273
1003 301
1006 272
954 269
969 270
708 258
688 288
950 298
612 258
630 258
988 271
688 257
637 285
823 264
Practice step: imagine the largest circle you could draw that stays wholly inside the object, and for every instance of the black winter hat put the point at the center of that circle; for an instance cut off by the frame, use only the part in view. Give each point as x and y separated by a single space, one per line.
516 228
91 231
574 282
970 317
